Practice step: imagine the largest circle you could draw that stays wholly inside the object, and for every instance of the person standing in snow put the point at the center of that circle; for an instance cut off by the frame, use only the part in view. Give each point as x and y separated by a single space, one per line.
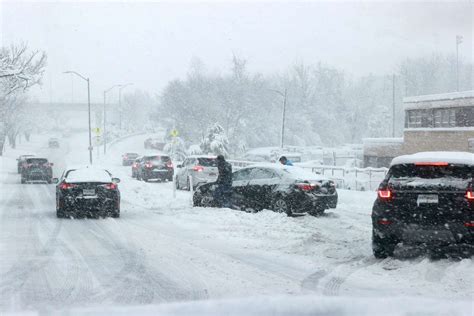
284 161
223 192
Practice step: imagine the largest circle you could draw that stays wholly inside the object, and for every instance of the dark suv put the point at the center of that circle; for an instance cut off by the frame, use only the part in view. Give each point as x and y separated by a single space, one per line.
36 169
155 167
426 199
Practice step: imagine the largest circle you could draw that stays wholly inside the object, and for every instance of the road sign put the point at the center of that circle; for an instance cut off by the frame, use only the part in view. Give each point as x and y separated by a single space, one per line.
174 132
96 130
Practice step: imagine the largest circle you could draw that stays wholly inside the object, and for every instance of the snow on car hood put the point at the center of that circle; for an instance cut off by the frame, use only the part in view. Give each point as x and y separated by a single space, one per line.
452 157
88 175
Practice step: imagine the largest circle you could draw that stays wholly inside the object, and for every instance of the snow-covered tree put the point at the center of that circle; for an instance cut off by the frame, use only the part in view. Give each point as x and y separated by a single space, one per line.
215 142
194 150
176 148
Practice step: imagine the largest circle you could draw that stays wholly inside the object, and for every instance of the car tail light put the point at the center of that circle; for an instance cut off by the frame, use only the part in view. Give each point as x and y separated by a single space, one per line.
385 194
169 164
384 221
306 186
110 186
148 165
443 164
66 186
198 168
470 195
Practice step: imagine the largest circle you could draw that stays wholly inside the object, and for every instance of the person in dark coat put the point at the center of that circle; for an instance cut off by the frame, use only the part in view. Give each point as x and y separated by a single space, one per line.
223 192
285 161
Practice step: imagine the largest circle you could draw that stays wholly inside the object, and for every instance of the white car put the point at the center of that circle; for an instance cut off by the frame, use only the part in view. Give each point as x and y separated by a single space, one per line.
201 168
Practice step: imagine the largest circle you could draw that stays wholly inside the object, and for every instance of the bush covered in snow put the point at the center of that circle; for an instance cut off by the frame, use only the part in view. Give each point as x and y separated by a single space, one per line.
215 141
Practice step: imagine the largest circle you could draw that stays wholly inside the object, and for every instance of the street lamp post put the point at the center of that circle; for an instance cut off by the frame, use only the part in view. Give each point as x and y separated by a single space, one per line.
105 116
458 41
284 95
89 109
120 103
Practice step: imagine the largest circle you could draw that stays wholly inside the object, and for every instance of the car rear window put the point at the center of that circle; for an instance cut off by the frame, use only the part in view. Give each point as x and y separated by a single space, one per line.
38 161
157 159
207 162
131 155
431 172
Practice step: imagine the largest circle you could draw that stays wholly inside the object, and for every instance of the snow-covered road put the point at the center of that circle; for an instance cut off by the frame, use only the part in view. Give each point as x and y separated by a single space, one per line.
162 250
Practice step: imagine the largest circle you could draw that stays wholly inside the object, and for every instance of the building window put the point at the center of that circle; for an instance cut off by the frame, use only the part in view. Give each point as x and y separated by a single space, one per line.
414 118
444 118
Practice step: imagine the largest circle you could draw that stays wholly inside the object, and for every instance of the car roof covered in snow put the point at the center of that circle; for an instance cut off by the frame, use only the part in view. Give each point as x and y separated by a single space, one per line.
88 174
293 171
452 157
202 156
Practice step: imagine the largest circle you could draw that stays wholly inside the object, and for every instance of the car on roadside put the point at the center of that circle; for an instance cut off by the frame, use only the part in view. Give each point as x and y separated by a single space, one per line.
284 189
129 158
21 160
135 166
201 169
36 169
426 199
87 191
155 167
53 143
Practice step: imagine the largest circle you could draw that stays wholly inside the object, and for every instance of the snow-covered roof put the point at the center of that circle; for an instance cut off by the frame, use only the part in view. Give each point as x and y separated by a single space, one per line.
452 157
202 156
295 171
88 175
440 97
383 140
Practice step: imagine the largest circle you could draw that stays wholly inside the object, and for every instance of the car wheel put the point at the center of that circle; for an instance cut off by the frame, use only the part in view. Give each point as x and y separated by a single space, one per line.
23 180
281 206
382 247
316 211
188 184
176 184
116 214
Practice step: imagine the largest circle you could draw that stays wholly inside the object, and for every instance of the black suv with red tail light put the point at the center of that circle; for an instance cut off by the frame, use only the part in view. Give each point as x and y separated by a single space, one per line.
155 167
36 170
87 191
129 158
426 199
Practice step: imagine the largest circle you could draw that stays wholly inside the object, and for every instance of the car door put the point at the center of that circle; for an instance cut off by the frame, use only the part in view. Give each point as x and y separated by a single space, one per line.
261 185
240 181
180 175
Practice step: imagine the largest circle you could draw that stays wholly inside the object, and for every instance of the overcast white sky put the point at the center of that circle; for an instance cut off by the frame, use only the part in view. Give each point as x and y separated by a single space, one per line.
150 43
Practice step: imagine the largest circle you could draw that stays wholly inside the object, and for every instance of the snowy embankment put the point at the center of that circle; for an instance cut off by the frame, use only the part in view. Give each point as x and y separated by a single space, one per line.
180 260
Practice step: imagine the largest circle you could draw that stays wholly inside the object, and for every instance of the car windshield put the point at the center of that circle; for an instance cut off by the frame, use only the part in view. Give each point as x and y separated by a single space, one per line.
36 161
207 162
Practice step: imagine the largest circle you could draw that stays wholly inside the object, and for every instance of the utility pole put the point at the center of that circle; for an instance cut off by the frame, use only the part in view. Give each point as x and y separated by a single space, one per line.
459 39
89 109
283 116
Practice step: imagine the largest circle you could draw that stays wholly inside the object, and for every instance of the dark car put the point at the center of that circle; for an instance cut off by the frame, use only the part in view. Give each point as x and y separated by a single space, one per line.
36 170
284 189
21 161
53 143
129 158
87 192
155 167
135 166
426 200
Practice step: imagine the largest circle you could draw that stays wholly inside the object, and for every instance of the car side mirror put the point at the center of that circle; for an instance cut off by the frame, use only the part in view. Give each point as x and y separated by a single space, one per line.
115 180
55 180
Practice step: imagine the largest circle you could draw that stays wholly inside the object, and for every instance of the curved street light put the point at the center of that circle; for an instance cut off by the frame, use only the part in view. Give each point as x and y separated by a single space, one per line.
89 108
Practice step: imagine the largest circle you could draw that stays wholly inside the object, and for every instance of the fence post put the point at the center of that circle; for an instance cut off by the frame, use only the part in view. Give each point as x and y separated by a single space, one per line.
174 186
191 190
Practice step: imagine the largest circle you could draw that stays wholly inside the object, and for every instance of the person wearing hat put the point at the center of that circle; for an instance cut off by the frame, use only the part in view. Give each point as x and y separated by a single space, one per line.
284 161
223 192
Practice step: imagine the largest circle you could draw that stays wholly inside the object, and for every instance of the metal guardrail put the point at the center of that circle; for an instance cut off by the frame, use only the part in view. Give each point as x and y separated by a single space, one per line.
360 179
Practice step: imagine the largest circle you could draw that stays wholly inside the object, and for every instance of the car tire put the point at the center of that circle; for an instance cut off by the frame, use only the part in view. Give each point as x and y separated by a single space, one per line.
280 205
178 187
316 211
23 180
116 214
382 247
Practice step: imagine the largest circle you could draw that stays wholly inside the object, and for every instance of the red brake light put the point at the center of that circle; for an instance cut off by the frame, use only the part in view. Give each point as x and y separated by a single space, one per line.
169 164
66 186
306 186
469 224
198 168
470 195
431 164
385 194
148 165
110 186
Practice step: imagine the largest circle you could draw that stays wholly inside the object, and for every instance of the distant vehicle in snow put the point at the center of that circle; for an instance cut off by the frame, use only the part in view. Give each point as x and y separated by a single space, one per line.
22 160
155 167
129 158
87 191
135 166
283 189
36 169
426 199
154 143
53 143
201 168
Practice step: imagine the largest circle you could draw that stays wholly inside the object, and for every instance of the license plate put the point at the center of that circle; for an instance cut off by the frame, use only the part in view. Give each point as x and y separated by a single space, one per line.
88 192
427 199
212 174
